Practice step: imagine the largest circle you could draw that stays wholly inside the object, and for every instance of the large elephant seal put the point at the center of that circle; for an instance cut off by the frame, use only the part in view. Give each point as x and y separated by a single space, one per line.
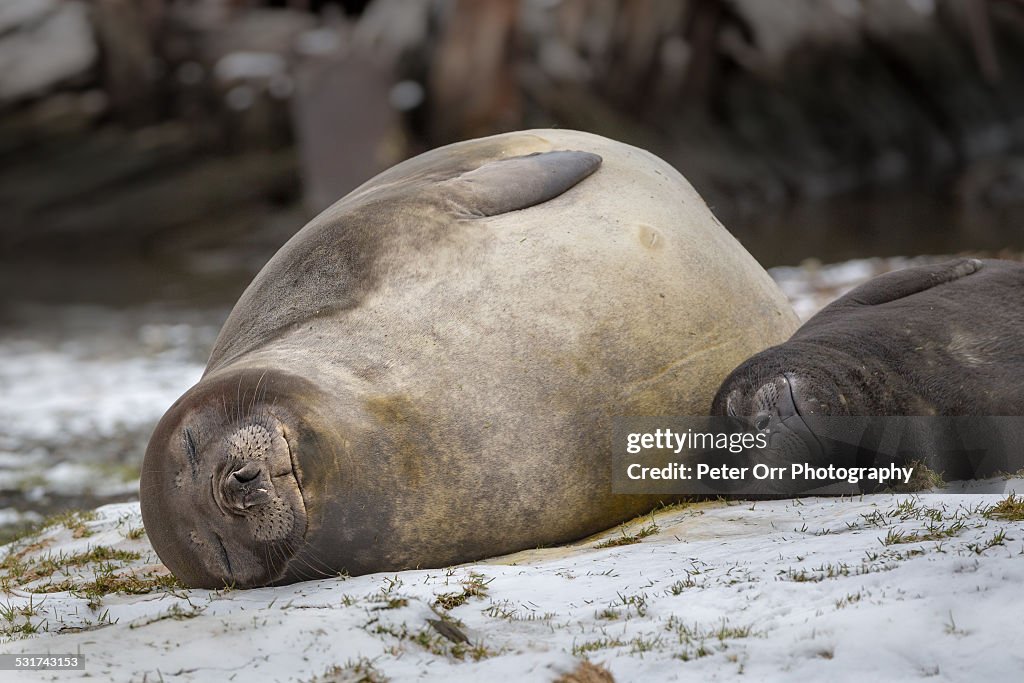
942 344
426 374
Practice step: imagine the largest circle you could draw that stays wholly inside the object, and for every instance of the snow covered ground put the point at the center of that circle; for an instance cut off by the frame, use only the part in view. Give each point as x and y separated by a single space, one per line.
883 587
890 587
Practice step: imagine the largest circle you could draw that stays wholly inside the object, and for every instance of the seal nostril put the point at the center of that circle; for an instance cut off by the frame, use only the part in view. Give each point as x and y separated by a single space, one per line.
247 473
246 487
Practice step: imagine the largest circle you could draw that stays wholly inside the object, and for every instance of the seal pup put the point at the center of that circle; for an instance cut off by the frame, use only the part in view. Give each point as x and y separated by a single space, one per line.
426 374
941 344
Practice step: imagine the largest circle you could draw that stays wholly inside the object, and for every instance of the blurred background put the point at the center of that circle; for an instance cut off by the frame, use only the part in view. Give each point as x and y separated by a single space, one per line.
155 153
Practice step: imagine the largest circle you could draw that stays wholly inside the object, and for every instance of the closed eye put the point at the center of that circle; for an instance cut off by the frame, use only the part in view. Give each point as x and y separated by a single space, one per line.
192 450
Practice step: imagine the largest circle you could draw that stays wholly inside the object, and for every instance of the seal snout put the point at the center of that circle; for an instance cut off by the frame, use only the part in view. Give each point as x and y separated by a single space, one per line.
247 486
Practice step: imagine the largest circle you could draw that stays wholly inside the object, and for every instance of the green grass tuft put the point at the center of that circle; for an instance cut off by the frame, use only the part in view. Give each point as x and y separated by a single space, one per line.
475 586
629 539
1010 508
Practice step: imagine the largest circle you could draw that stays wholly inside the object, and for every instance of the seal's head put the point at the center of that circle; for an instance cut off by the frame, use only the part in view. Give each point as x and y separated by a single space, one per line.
777 383
786 394
221 486
812 401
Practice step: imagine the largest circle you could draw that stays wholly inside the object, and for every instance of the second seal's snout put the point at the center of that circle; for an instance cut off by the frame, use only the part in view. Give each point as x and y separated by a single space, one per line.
247 486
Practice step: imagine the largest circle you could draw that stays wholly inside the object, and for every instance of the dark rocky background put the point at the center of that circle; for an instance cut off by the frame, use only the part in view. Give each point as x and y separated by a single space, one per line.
194 136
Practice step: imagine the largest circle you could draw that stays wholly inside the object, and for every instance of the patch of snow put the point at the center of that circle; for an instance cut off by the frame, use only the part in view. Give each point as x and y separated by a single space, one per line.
65 394
13 517
67 478
831 589
811 286
80 390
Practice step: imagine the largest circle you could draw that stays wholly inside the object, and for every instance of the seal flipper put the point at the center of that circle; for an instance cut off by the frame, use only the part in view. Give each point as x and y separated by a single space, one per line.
902 283
519 182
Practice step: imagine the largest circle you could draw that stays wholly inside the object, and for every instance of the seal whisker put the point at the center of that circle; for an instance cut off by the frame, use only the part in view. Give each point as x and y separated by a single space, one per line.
297 555
267 559
255 395
238 402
